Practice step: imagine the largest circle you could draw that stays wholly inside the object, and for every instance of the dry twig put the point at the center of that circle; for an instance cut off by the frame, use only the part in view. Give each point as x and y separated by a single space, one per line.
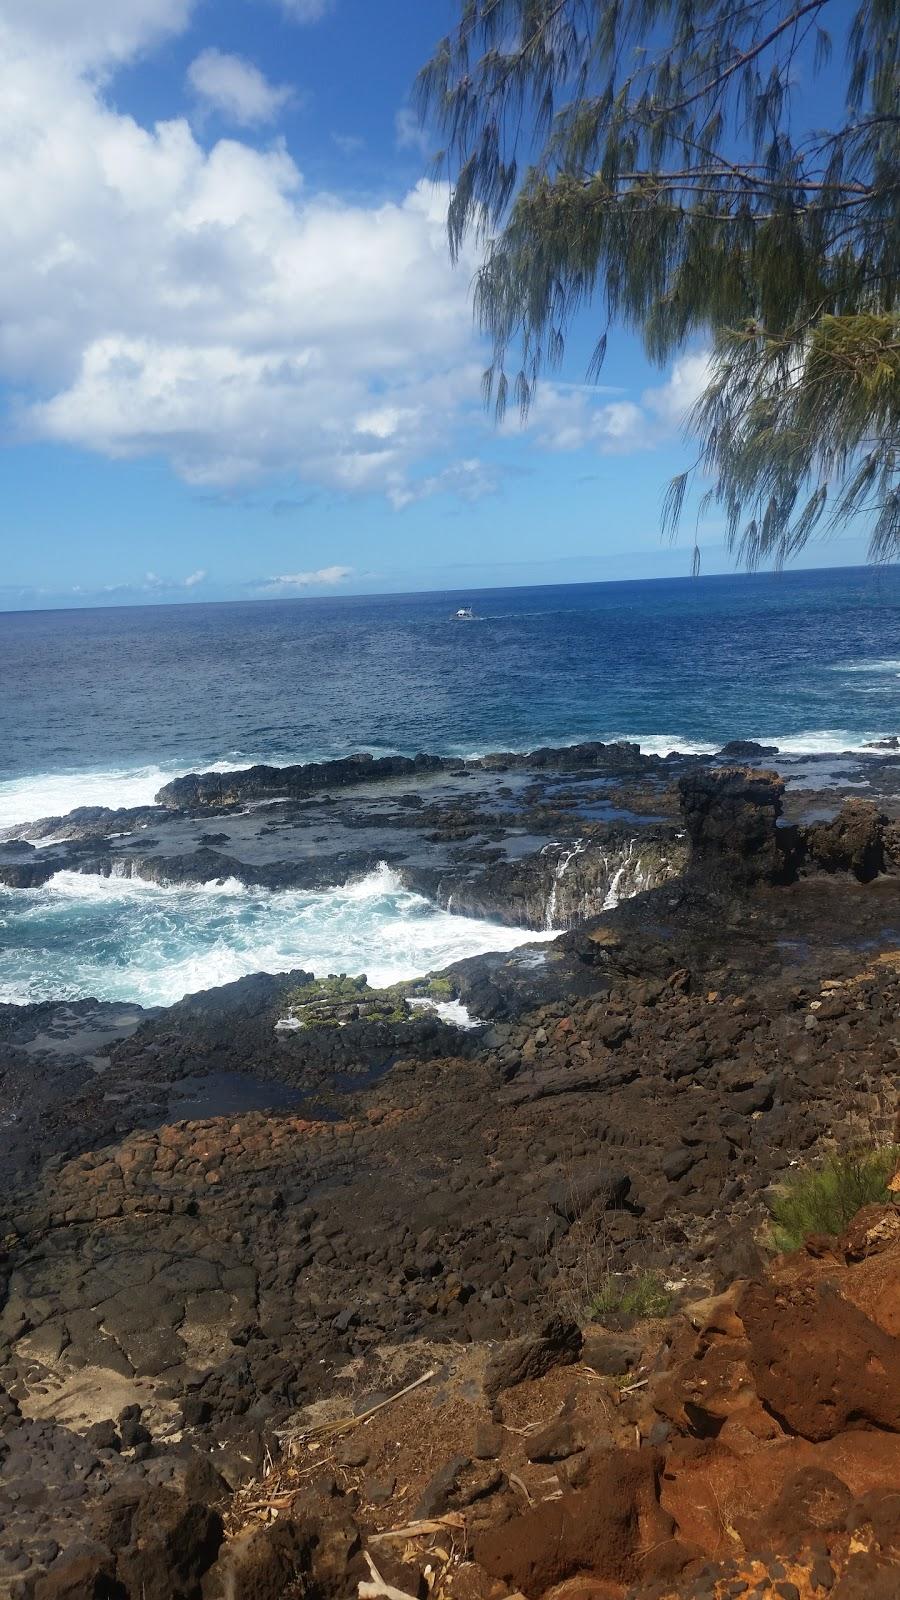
346 1424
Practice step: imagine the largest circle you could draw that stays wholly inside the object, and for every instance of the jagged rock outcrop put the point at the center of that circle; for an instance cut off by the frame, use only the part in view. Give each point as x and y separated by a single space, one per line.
854 841
212 789
562 884
732 819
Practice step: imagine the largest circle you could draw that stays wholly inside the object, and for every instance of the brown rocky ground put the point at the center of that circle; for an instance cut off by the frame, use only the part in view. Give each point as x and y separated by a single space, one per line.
177 1294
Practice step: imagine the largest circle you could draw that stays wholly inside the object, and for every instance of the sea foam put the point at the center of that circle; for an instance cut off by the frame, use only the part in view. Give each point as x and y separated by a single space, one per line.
55 794
124 939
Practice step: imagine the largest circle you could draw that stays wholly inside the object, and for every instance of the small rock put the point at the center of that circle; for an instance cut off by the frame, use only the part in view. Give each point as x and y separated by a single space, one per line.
489 1441
554 1443
438 1493
559 1344
378 1491
103 1436
611 1355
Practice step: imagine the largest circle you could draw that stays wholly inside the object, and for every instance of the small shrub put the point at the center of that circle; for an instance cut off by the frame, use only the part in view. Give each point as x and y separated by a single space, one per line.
644 1294
826 1198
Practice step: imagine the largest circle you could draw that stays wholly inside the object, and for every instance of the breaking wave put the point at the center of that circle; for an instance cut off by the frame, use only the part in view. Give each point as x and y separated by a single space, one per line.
124 939
54 794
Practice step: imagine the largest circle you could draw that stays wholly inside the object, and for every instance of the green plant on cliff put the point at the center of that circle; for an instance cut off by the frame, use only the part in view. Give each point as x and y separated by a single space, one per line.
632 1297
651 160
825 1199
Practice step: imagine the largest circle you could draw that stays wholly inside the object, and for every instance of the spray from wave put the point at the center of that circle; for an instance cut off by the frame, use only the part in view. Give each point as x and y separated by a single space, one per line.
123 939
54 794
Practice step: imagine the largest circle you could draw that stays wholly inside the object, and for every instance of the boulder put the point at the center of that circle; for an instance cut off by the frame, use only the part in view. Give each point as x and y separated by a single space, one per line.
259 1565
874 1228
819 1364
518 1360
747 750
852 842
613 1529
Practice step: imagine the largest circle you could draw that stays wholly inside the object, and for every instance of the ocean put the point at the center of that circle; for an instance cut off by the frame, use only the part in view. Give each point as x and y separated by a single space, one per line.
101 707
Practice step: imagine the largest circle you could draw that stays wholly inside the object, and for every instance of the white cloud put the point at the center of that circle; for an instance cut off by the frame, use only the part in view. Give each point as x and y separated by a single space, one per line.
306 10
469 480
674 400
326 576
568 417
408 131
94 34
235 87
161 297
151 583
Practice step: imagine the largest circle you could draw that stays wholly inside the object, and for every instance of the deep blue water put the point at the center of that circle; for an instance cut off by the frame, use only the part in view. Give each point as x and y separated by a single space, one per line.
811 658
100 707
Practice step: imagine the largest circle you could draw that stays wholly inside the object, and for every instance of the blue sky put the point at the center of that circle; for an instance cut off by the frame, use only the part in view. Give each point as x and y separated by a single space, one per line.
235 359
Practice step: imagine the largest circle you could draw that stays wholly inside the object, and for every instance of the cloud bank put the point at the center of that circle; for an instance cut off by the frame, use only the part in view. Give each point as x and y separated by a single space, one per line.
160 297
288 583
199 302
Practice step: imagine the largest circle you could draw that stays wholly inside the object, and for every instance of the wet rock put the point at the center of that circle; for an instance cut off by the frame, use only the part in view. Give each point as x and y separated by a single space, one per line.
747 750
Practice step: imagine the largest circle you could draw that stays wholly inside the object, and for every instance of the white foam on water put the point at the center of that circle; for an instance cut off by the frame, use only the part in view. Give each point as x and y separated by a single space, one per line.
665 744
820 742
55 794
814 741
452 1011
883 664
124 939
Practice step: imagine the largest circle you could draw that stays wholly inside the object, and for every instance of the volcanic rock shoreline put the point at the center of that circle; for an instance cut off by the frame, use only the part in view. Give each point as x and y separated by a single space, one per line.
213 1224
542 840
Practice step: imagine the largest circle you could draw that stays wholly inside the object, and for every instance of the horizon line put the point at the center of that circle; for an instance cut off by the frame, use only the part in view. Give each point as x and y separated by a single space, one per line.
410 594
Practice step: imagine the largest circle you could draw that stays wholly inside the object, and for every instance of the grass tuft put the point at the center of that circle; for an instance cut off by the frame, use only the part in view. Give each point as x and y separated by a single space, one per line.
825 1199
643 1294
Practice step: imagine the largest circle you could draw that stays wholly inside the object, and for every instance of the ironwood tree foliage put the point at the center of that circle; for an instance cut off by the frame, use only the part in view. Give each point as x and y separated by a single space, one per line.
642 156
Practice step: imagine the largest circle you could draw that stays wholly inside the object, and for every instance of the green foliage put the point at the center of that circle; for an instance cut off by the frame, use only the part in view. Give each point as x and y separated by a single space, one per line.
439 989
424 989
328 1002
642 156
336 987
632 1298
826 1198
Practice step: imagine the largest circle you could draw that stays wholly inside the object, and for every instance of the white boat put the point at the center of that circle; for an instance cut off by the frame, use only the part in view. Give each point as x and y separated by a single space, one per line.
464 614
